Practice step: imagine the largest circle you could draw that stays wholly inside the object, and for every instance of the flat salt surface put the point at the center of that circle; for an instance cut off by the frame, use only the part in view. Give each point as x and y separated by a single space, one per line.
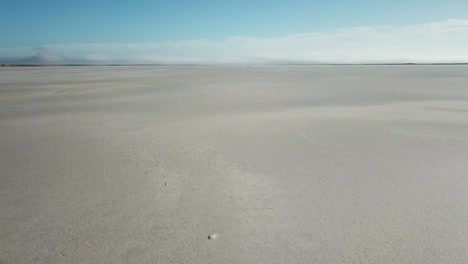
316 164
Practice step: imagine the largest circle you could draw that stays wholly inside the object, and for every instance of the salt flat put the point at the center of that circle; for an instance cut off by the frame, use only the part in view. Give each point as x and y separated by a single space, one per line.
313 164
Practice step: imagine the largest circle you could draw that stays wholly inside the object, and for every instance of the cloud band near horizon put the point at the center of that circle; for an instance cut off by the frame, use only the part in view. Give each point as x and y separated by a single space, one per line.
444 41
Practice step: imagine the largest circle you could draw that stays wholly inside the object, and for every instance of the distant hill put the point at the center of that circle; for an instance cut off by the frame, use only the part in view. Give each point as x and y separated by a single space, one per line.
45 58
49 58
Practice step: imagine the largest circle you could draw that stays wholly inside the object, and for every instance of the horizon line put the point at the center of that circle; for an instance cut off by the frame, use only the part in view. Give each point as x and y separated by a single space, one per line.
226 64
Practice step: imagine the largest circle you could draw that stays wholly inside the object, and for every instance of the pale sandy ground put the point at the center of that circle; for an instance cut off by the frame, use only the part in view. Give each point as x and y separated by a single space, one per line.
285 164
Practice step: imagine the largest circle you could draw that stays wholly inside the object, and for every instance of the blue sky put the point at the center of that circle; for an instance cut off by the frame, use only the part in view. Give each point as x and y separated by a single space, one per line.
225 31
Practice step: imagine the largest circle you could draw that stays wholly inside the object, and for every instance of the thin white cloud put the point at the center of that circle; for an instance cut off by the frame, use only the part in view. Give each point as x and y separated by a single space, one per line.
445 41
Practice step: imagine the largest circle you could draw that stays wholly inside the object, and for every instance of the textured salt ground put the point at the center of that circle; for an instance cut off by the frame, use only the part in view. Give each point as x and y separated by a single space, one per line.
277 164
